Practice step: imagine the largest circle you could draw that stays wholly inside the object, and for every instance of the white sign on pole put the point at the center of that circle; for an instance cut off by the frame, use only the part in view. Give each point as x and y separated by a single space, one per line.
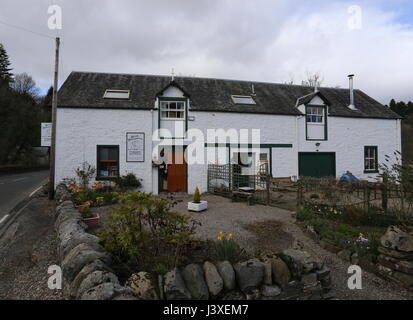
46 137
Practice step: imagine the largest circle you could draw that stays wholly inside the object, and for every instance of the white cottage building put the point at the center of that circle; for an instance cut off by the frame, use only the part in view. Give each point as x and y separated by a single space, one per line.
112 121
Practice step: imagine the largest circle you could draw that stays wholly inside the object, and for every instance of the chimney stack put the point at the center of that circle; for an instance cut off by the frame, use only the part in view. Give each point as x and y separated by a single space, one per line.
352 105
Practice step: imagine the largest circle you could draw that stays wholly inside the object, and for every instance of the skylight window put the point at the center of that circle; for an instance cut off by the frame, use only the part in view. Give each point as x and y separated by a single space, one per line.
116 94
243 100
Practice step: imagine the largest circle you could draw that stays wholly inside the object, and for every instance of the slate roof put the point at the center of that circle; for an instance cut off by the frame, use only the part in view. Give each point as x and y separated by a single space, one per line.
86 89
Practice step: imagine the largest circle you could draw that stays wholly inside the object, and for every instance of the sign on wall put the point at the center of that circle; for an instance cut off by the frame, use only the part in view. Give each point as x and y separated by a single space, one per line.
135 147
46 135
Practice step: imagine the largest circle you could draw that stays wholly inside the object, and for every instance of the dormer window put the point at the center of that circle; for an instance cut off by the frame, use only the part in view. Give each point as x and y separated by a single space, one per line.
116 94
172 110
315 115
243 100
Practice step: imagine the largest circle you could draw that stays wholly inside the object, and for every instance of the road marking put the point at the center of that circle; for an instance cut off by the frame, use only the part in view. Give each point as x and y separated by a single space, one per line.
19 179
4 218
35 191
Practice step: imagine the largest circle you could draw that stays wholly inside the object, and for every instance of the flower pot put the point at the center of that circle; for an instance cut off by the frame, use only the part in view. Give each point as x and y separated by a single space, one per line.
198 207
92 223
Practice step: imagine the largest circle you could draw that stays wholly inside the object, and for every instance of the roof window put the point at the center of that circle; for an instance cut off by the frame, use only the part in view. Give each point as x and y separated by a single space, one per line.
116 94
243 100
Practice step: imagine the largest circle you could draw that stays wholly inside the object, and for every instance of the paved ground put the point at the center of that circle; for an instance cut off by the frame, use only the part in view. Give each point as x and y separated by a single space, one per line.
16 187
27 249
260 228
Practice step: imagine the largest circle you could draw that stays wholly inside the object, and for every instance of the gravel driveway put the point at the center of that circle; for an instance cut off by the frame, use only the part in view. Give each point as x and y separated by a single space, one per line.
261 228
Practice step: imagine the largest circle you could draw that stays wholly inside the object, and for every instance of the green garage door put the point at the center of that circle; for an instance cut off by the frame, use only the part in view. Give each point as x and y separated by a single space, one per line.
317 164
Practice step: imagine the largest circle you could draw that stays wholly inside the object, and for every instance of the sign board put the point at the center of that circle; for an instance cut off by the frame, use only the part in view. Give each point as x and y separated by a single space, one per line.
46 136
135 147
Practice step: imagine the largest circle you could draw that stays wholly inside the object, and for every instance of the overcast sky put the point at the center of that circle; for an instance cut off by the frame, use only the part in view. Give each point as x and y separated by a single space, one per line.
262 40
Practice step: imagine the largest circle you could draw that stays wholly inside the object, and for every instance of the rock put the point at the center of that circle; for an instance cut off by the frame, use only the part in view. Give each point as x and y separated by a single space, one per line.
345 255
292 292
249 274
354 259
309 281
253 294
267 271
213 279
94 279
397 239
142 285
194 281
323 273
96 265
174 286
67 215
63 206
329 295
397 265
270 291
280 272
300 262
125 297
395 254
78 238
62 194
227 274
107 291
79 257
234 295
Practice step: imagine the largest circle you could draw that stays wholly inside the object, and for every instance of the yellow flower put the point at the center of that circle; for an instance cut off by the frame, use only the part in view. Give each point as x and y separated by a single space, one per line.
229 236
219 238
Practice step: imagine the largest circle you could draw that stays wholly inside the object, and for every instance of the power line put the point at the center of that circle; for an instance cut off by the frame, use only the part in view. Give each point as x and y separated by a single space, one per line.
26 30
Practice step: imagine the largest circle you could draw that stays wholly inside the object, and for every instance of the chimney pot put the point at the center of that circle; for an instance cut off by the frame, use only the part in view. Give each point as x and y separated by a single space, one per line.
352 105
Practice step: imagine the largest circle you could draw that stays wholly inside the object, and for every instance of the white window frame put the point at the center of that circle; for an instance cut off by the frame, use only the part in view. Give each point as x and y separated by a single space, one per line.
233 97
372 155
109 91
167 109
310 112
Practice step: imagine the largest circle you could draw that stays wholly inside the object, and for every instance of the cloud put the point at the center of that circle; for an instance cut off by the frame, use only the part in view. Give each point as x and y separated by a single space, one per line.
262 40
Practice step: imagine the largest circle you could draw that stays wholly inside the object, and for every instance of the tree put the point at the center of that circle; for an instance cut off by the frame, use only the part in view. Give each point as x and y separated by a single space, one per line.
313 80
6 77
24 84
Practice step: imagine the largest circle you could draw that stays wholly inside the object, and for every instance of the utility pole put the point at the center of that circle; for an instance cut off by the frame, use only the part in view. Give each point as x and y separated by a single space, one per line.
54 107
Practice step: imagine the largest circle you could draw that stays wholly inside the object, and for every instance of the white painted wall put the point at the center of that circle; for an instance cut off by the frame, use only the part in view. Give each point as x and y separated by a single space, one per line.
79 131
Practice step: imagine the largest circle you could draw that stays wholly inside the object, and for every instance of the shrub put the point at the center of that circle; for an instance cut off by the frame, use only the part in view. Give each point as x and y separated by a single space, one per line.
128 182
197 196
227 249
85 173
143 232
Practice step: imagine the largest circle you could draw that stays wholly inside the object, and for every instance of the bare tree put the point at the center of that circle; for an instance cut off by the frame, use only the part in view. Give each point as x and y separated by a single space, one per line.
313 80
23 83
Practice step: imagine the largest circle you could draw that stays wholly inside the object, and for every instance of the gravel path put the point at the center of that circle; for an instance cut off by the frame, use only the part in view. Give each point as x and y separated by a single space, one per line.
27 249
261 228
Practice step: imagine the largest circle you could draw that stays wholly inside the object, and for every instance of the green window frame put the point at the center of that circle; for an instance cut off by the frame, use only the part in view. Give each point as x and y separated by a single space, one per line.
107 162
371 162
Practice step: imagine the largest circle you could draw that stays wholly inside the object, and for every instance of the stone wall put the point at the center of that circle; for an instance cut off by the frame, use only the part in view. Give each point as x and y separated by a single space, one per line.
87 272
85 266
396 255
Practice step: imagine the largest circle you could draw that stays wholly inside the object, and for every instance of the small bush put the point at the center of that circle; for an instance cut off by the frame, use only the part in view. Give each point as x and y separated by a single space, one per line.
197 196
128 182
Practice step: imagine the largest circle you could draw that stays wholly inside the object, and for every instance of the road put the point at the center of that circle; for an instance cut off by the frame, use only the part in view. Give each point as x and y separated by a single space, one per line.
16 187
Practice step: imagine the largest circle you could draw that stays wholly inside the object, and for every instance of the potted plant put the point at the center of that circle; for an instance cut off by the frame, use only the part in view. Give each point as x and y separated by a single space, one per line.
89 218
197 205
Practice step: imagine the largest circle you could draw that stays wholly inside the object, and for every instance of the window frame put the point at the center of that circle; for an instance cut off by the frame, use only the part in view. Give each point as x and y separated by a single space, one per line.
375 158
307 114
169 110
233 97
324 123
98 161
116 91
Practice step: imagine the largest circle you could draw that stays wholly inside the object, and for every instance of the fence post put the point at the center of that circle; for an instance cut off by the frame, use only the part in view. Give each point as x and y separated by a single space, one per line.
366 197
299 193
384 195
268 189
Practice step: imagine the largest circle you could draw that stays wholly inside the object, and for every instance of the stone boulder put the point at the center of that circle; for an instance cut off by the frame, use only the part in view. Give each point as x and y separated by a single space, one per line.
143 286
78 238
269 292
234 295
62 194
249 274
280 273
227 273
195 282
174 286
397 239
300 262
79 257
96 278
395 264
108 291
213 279
96 265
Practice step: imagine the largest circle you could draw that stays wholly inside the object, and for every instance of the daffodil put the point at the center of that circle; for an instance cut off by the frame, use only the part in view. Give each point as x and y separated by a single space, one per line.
229 237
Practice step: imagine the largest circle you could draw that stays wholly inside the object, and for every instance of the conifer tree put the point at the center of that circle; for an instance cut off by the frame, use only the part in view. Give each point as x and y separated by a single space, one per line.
5 71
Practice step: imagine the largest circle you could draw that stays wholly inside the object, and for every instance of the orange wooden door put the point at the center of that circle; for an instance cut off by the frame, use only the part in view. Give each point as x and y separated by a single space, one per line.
176 172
